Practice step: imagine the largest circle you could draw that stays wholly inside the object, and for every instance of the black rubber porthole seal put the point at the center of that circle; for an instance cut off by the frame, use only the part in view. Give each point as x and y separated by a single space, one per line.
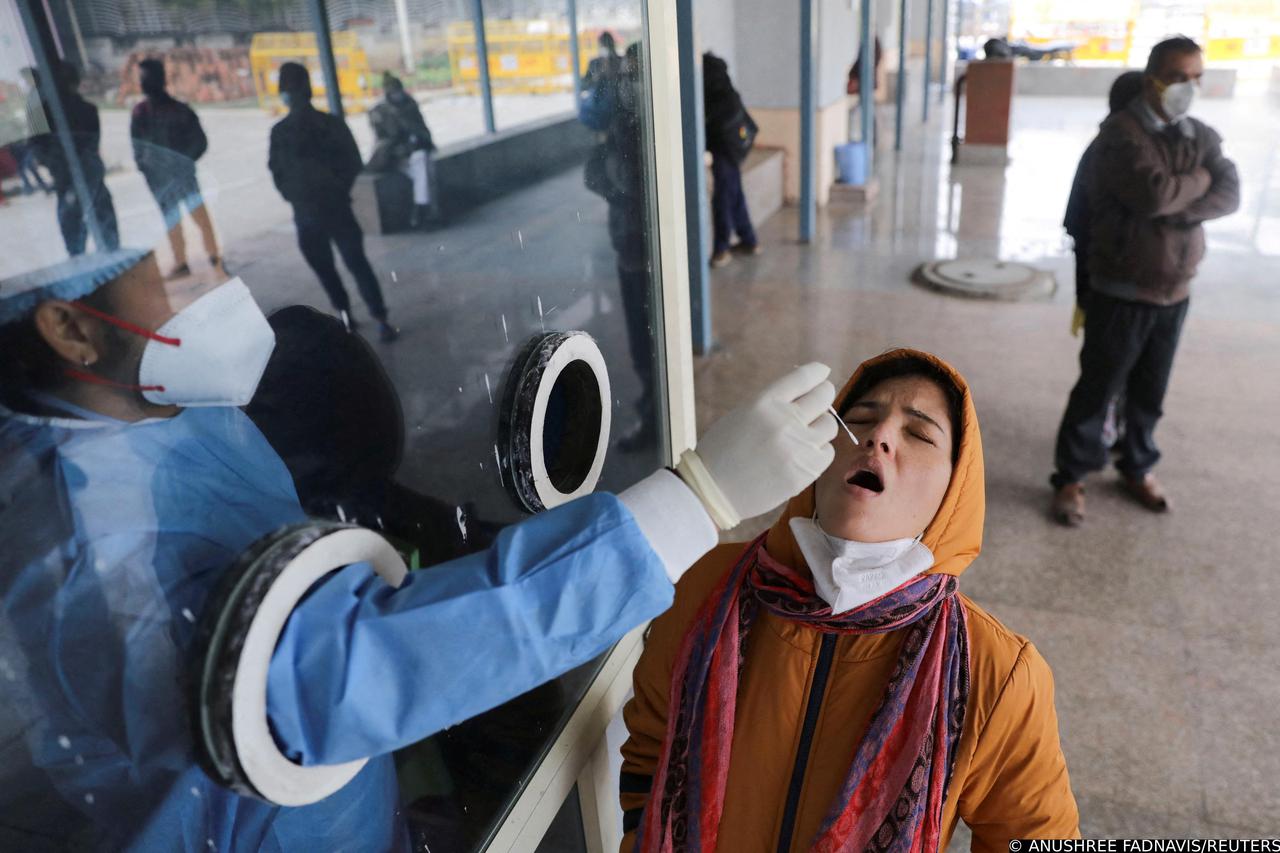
516 416
516 424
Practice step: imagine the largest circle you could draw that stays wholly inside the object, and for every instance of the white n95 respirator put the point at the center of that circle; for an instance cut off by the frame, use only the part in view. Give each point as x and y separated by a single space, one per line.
211 353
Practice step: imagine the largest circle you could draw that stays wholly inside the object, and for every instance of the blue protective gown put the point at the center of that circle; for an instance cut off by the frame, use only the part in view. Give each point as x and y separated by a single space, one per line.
114 535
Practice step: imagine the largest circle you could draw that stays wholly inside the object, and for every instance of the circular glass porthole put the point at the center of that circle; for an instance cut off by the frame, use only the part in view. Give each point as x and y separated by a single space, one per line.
555 423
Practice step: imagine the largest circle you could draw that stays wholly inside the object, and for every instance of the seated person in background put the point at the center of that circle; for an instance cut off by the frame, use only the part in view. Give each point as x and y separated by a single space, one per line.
826 687
404 143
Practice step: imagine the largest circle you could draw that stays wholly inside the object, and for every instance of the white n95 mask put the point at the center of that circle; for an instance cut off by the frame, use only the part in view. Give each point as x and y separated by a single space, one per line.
211 353
848 574
1177 99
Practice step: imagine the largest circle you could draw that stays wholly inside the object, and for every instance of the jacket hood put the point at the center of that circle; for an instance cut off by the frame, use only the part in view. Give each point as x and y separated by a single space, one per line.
955 534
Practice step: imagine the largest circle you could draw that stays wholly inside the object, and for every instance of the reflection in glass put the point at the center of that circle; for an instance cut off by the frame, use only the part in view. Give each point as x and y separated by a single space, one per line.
413 40
167 141
530 61
404 145
314 163
71 154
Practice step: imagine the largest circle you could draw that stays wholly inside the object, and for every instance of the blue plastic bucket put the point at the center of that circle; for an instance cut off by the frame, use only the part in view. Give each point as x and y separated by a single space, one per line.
851 163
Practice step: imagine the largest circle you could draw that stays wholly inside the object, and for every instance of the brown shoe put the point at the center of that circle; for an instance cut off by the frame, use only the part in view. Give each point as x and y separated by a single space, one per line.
1068 505
720 259
1146 491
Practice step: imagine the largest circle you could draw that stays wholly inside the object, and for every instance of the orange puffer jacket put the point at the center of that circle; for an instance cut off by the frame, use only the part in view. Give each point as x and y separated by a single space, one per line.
1010 778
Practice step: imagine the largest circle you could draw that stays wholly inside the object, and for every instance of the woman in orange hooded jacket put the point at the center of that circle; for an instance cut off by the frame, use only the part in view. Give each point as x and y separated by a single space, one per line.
827 688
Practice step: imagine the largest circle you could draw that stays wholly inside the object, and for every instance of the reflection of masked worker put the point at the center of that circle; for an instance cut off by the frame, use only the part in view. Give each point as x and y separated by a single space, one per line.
617 173
605 64
130 482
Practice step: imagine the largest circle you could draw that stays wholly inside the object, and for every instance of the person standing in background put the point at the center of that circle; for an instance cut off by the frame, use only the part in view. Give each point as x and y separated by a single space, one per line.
85 130
730 133
620 181
167 142
29 116
606 64
1157 175
24 157
1124 89
314 162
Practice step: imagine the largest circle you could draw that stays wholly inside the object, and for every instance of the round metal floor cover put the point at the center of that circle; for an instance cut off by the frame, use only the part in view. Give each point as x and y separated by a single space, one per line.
986 278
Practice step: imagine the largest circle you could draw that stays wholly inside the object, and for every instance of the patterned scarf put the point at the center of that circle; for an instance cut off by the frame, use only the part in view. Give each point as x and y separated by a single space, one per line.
892 798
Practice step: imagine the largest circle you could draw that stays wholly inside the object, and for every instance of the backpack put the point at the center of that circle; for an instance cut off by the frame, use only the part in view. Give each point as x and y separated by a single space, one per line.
737 135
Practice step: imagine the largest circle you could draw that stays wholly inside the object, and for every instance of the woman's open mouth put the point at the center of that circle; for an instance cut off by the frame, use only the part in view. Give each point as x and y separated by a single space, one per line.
868 480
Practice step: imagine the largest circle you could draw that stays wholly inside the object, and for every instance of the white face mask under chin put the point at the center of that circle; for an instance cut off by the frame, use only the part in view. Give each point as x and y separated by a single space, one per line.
848 574
226 344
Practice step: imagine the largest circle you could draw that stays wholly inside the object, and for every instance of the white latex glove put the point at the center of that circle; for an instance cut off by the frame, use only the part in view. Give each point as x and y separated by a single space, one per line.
765 451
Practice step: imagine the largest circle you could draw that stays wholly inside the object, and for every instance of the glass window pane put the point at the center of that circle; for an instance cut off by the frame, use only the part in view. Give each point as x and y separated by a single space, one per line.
605 28
529 60
222 314
426 44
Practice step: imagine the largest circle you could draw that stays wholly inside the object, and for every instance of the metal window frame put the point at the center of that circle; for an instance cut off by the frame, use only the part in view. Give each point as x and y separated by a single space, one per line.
665 61
482 64
578 755
573 760
808 103
867 86
900 93
928 58
575 51
694 144
324 50
945 58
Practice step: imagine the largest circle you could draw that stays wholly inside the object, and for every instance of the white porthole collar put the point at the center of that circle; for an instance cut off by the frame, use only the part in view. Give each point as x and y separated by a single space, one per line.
239 634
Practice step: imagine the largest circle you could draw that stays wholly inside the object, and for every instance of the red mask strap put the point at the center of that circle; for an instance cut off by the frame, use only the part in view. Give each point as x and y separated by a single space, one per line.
127 326
94 379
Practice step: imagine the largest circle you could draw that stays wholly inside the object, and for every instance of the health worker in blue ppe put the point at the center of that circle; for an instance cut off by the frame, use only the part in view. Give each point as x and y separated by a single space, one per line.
130 480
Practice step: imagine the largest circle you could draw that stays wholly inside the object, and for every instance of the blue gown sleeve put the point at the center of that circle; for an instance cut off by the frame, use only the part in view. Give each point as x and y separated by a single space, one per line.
363 669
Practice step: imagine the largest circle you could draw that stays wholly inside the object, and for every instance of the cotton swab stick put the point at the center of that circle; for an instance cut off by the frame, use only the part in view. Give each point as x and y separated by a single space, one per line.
840 420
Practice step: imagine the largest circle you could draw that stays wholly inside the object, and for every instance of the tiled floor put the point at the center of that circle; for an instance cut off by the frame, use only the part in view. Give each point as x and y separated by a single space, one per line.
1160 630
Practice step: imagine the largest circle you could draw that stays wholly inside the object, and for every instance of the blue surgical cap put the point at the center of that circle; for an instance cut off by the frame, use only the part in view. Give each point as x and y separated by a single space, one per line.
74 278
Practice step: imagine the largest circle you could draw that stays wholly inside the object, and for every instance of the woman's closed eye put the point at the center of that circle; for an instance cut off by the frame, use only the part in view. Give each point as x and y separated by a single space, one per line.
916 434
